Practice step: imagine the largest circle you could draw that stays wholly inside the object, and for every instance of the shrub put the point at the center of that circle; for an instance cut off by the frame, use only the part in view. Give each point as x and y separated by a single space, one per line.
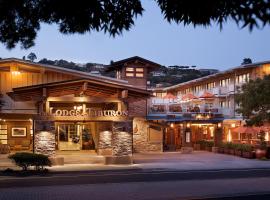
25 160
247 148
209 143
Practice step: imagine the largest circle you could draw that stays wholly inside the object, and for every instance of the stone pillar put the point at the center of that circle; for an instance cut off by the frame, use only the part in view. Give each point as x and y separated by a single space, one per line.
121 143
105 138
122 138
44 137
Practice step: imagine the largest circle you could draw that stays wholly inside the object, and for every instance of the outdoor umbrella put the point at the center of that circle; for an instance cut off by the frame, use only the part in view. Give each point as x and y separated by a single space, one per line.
246 129
189 96
207 95
169 96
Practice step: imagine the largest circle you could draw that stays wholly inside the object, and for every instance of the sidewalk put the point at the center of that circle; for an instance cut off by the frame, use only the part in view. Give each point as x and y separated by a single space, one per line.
173 161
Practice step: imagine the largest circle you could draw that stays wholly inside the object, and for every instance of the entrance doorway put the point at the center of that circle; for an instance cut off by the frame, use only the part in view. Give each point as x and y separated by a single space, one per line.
173 139
76 136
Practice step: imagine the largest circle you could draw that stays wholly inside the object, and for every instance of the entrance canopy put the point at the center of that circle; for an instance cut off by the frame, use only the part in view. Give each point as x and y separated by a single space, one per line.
78 88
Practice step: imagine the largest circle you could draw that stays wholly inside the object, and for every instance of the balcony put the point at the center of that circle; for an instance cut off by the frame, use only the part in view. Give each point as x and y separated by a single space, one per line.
175 107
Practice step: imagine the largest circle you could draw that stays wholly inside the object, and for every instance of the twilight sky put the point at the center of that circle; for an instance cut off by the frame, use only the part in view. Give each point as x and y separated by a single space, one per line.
154 38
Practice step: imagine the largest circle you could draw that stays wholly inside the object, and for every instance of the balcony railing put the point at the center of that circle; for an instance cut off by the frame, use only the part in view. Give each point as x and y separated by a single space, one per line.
174 108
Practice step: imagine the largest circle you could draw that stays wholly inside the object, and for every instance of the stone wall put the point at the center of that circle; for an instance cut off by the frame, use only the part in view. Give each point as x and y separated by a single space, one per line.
104 138
141 142
115 138
45 143
44 138
122 138
137 107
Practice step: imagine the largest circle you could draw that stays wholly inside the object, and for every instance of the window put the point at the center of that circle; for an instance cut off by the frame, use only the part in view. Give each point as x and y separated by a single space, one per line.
137 72
222 104
243 78
210 86
3 134
129 74
224 82
129 69
140 75
139 69
225 104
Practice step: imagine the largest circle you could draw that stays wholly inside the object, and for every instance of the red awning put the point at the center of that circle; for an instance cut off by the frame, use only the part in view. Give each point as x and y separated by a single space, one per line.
207 95
246 129
169 96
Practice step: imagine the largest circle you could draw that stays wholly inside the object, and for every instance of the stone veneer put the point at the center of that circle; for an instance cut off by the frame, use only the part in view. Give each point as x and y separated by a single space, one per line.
115 138
141 141
45 143
122 138
44 140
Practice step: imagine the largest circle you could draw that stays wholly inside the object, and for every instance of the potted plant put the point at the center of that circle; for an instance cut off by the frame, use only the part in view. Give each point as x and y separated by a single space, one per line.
261 150
221 148
197 145
247 151
232 148
238 149
226 147
209 145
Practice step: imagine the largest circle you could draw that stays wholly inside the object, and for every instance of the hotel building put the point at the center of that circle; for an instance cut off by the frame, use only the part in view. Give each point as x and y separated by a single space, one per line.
49 109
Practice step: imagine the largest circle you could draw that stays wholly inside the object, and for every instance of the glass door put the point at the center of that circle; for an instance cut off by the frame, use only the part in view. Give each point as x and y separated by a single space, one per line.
69 137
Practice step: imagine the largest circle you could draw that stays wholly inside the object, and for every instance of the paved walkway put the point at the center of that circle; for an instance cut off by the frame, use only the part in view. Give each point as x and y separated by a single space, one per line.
199 160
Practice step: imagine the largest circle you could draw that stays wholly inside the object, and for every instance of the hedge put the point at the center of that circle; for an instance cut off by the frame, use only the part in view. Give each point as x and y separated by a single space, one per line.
25 160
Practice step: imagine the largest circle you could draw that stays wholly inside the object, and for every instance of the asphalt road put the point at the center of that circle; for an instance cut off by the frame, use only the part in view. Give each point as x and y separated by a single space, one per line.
75 178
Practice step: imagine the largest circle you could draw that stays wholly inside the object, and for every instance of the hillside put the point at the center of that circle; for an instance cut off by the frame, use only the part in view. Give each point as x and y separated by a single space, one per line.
165 76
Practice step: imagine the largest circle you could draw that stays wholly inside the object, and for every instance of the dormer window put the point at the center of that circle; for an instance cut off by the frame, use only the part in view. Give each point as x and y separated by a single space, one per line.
135 72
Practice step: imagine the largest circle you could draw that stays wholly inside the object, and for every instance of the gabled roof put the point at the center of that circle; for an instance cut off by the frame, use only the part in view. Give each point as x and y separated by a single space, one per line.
230 70
77 87
121 63
72 72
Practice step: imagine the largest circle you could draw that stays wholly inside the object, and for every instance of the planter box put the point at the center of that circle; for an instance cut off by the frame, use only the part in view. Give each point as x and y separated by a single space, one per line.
215 149
220 150
226 150
208 149
247 155
197 147
238 153
231 151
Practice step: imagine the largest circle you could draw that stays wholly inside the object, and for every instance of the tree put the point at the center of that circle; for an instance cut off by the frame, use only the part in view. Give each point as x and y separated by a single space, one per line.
254 101
20 19
246 61
32 56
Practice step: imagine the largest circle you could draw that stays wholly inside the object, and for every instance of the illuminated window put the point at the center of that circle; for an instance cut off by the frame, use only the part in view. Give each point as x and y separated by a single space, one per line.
140 75
244 78
129 74
129 69
139 69
224 82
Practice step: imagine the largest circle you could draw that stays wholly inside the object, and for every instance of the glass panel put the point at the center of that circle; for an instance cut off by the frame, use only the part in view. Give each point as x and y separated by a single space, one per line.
130 69
139 74
88 142
129 74
139 69
63 132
